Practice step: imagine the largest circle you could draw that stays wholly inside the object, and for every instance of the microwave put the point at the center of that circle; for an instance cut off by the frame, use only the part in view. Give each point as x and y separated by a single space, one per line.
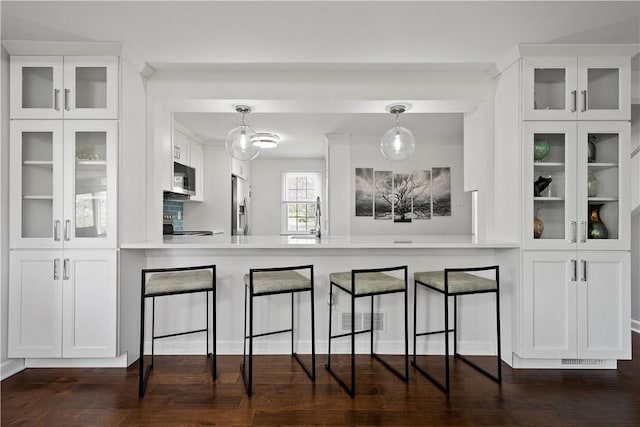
184 179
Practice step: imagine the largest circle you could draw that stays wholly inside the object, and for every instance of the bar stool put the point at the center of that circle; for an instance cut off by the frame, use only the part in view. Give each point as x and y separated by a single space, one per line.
368 283
163 282
262 282
456 282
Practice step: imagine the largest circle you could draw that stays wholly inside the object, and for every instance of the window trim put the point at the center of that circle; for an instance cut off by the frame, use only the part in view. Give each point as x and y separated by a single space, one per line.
284 203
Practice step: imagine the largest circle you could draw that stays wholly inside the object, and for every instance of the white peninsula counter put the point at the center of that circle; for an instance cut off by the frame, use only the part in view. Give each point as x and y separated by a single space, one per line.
235 255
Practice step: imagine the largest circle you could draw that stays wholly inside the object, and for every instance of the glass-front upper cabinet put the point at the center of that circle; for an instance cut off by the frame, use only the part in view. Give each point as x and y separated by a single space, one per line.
69 87
36 183
583 88
90 160
576 185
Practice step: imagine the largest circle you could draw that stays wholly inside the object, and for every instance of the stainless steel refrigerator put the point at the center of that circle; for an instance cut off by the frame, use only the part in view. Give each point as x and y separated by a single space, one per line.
240 199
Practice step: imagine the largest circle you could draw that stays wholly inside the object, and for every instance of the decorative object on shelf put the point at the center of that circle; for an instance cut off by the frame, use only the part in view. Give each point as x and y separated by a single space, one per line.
593 185
540 149
265 140
597 229
591 153
538 226
238 143
540 184
397 143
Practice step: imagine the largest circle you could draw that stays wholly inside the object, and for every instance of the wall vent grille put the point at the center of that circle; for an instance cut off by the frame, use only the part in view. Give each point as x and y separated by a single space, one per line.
363 320
582 362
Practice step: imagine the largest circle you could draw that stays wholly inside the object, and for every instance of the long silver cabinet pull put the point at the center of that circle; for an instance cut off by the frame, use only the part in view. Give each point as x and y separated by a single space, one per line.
56 230
65 269
584 270
56 99
574 231
574 94
574 264
66 99
67 229
584 101
56 269
583 239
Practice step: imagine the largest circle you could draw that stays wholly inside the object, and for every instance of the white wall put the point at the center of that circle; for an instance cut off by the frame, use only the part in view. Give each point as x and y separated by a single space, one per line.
443 150
266 190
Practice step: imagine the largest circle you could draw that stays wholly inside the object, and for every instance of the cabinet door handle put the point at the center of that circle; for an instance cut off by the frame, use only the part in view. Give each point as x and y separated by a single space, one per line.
584 270
574 94
65 269
56 268
583 239
66 99
574 264
56 99
56 230
574 231
176 153
67 229
584 101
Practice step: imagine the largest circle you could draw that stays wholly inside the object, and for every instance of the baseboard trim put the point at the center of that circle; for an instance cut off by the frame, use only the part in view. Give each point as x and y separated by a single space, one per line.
11 367
115 362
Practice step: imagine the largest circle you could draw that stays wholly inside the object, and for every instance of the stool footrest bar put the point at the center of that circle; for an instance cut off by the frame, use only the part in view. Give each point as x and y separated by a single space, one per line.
348 334
434 332
269 333
177 334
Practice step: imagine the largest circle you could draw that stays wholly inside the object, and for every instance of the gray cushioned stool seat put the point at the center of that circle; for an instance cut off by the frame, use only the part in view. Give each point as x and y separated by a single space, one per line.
368 283
459 282
277 281
178 281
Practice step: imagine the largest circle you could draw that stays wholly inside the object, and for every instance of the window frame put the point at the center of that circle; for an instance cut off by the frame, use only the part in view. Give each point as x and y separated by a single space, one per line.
284 203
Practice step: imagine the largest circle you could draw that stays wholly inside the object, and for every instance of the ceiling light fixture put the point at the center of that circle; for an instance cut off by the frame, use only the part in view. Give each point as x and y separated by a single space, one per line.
397 143
265 140
239 140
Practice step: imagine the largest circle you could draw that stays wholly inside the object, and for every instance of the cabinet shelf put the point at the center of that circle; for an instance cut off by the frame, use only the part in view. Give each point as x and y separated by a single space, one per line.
548 199
602 165
91 162
36 197
43 163
602 199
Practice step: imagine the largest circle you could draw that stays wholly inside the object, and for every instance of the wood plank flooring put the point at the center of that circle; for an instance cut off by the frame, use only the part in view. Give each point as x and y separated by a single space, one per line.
181 392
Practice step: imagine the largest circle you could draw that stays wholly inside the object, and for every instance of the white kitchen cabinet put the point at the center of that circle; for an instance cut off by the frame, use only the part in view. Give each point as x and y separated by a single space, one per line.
196 158
575 305
62 303
69 87
588 164
189 152
241 169
64 178
577 88
181 148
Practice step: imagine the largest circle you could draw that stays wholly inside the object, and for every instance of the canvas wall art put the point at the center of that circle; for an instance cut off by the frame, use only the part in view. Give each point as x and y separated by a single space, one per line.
383 208
402 197
364 191
421 195
441 191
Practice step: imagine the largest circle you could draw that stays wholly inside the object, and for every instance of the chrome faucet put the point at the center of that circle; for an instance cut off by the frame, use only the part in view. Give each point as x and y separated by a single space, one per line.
316 230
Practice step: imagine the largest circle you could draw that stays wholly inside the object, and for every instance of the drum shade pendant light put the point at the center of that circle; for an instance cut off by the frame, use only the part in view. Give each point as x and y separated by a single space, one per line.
238 143
398 142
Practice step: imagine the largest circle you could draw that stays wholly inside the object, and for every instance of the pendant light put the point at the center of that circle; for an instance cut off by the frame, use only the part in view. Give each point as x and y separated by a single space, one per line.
265 140
398 142
238 143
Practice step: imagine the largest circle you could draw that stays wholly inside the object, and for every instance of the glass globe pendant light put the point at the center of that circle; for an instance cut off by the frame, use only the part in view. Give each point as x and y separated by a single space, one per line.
238 142
398 142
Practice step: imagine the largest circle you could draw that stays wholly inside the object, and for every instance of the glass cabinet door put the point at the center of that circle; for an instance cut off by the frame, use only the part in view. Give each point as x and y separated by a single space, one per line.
91 87
36 87
603 209
604 89
36 184
549 185
90 179
550 89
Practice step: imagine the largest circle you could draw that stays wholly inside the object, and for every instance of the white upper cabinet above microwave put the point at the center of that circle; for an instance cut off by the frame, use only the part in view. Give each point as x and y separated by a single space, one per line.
64 87
577 88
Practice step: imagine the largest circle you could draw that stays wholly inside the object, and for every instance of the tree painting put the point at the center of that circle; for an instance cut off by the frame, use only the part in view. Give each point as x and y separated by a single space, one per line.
441 182
383 181
364 191
402 196
422 194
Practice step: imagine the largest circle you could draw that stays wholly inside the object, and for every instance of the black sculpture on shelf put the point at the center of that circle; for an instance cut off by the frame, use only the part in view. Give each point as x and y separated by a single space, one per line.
540 184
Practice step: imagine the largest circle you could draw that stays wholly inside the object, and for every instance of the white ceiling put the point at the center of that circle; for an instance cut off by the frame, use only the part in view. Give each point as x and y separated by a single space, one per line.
323 34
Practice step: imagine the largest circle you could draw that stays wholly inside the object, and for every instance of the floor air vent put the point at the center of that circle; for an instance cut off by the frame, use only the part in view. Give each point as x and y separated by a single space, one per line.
582 362
363 320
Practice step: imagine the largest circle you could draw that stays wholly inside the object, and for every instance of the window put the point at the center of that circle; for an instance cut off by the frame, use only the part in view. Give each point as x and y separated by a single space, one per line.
299 193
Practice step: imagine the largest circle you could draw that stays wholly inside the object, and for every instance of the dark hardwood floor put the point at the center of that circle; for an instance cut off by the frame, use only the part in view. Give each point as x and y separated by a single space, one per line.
181 392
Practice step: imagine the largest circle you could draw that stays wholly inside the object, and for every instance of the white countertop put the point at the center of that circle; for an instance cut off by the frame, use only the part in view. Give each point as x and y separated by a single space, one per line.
328 242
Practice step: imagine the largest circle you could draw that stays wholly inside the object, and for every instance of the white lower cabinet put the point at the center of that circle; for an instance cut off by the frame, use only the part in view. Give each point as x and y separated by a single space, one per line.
62 303
576 305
